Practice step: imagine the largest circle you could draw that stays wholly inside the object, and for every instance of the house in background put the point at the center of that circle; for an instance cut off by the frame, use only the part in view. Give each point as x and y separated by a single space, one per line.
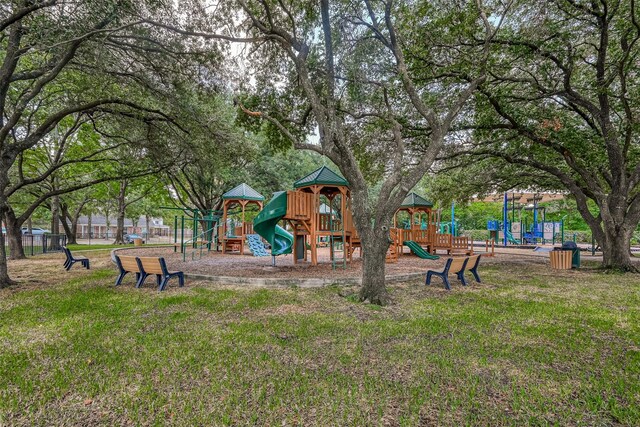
100 230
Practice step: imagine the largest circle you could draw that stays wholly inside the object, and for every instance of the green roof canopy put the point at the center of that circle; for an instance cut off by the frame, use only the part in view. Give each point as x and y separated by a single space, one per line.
322 176
243 192
415 201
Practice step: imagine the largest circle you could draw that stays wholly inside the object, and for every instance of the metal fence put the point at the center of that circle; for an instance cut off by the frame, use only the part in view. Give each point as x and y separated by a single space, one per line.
36 244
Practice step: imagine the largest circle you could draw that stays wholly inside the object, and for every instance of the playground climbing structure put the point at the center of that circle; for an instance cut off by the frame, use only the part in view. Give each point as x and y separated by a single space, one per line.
421 231
308 222
231 234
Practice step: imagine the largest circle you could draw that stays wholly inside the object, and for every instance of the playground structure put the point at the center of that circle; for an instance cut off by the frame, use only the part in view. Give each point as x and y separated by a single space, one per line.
519 232
419 231
316 213
308 221
422 236
232 235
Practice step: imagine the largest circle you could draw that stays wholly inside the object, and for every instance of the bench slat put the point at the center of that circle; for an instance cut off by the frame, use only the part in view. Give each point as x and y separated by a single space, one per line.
151 265
456 264
129 263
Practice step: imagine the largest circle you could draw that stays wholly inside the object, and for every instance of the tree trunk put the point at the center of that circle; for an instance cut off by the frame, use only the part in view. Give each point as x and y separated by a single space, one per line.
5 280
107 223
55 214
74 229
69 230
89 225
14 235
616 244
119 229
121 213
374 253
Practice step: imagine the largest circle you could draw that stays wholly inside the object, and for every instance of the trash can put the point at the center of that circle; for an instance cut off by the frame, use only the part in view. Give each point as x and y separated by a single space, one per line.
575 253
137 242
560 259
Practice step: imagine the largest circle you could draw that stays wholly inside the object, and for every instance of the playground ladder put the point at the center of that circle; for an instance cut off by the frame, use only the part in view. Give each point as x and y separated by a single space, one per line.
338 245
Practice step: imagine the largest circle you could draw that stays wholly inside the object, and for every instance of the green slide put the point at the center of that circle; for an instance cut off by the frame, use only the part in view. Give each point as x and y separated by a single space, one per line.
266 224
417 249
512 239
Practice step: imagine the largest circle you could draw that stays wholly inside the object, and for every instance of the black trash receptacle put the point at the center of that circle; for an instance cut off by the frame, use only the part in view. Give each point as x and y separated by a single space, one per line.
575 256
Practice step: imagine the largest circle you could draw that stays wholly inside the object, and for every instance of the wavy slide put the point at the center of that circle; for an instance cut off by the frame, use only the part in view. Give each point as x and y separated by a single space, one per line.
417 249
266 224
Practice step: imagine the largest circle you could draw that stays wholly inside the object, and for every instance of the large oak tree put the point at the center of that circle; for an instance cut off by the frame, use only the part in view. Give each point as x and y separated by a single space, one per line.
563 100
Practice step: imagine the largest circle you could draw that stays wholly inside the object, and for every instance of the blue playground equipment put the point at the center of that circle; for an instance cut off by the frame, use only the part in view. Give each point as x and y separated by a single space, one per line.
537 232
256 246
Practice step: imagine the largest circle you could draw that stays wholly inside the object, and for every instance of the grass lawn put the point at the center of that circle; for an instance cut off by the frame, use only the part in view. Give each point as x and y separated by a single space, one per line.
529 346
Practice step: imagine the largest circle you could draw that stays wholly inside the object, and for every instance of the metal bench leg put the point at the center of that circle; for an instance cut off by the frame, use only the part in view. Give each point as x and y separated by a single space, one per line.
120 277
445 279
143 277
474 271
181 279
163 283
460 275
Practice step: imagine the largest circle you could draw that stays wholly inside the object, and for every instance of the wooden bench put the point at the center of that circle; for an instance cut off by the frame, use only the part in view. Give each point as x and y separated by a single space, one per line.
73 259
154 265
453 265
457 266
127 264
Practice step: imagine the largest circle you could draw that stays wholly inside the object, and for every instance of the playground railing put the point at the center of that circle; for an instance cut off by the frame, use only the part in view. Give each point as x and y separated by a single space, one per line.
247 228
460 242
443 241
326 223
197 244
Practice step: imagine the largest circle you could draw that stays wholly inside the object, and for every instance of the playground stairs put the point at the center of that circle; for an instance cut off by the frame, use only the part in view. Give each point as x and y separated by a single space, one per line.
392 252
195 246
256 246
